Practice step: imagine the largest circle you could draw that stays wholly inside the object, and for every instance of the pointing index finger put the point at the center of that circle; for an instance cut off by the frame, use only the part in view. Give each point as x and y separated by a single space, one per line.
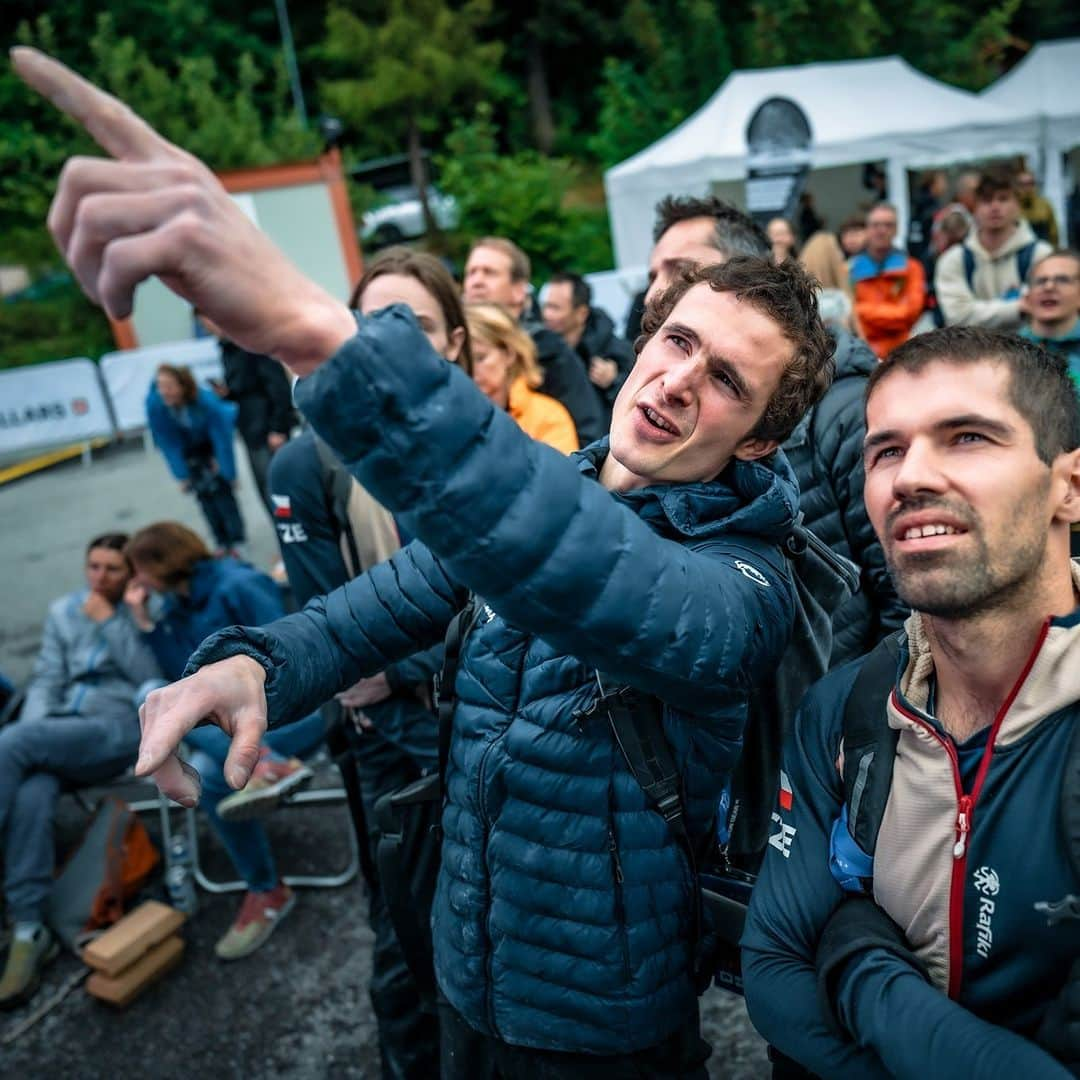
109 122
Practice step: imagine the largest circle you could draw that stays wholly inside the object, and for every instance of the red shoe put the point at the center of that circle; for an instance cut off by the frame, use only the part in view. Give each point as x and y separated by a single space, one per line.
259 916
270 781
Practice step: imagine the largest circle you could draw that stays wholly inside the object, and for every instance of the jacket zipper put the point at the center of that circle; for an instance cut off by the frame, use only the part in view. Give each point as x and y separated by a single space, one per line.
965 811
620 912
481 807
618 879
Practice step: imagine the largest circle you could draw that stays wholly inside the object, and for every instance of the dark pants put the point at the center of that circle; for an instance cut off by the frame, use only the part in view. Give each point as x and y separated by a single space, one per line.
468 1055
408 1034
217 501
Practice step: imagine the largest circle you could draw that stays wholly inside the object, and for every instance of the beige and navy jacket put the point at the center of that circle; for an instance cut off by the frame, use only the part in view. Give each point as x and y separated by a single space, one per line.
971 843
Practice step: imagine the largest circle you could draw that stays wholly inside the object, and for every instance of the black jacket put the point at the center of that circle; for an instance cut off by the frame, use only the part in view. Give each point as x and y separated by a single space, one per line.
599 339
825 451
261 390
566 381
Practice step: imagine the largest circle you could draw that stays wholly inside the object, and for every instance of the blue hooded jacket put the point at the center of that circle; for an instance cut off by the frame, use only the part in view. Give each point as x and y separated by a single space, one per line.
563 909
210 422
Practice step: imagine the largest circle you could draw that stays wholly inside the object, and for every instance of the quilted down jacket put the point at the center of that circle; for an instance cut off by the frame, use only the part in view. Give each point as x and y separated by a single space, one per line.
825 450
562 914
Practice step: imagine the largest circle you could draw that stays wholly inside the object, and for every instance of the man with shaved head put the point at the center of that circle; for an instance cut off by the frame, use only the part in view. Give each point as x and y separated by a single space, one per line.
918 914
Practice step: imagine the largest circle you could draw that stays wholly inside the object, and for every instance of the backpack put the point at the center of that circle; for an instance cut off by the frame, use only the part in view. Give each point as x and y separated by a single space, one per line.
870 748
1023 263
112 863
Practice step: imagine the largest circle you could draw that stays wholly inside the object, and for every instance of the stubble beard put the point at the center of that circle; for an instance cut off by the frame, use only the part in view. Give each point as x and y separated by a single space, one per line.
955 585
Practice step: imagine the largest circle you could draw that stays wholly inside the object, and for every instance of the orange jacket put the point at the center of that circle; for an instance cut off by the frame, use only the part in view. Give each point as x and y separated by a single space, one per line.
889 298
542 417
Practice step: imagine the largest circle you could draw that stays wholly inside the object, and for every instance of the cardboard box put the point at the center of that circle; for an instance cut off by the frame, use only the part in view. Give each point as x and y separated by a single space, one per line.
122 989
136 933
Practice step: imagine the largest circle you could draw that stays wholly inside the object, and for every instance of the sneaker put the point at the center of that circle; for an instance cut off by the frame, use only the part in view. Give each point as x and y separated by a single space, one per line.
259 915
270 781
32 947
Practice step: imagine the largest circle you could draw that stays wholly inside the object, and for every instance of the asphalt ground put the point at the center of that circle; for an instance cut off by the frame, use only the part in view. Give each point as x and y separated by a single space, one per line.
296 1008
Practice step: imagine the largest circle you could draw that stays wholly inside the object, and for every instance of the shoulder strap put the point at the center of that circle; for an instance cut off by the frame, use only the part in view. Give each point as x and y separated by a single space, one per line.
869 743
969 266
639 734
445 684
1023 260
337 488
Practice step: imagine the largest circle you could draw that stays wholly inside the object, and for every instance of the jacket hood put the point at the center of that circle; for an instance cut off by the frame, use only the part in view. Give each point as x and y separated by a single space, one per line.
599 330
1022 236
759 498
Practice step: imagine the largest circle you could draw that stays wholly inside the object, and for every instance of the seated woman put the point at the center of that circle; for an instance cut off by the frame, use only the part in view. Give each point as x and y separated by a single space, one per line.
505 368
194 429
197 594
78 725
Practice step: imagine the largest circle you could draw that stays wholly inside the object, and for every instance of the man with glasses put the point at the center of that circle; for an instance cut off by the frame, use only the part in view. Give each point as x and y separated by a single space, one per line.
1053 303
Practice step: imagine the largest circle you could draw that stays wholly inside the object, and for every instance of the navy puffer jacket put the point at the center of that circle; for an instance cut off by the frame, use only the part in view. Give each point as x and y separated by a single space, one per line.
562 914
825 450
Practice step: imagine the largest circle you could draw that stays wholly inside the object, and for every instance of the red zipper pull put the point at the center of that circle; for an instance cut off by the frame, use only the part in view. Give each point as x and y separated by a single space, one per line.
963 827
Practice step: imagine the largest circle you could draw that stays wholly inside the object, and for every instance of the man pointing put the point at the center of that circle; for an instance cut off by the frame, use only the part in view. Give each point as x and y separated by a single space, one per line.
563 917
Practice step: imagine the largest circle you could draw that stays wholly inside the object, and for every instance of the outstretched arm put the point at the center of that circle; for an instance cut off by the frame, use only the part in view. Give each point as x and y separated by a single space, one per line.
507 517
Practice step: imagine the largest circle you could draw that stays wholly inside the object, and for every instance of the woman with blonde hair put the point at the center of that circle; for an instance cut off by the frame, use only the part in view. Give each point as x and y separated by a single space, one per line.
505 368
824 259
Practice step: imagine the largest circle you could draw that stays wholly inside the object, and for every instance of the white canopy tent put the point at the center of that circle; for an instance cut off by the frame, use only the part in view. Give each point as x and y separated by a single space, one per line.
859 111
1045 89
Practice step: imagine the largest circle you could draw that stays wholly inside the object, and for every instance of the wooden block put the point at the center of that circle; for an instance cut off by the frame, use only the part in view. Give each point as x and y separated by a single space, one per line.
121 989
139 930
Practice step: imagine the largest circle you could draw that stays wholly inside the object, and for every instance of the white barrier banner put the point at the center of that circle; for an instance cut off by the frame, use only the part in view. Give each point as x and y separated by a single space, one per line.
127 375
52 404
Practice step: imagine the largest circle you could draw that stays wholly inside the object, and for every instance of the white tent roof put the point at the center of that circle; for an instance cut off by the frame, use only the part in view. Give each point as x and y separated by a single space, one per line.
1045 85
859 110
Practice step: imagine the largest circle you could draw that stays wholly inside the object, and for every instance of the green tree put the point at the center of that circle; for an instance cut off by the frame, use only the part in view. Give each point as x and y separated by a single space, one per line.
523 196
190 103
422 60
950 43
683 55
801 31
233 116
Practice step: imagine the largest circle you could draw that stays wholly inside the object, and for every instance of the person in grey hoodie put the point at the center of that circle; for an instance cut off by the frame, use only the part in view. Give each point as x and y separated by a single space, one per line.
978 282
78 725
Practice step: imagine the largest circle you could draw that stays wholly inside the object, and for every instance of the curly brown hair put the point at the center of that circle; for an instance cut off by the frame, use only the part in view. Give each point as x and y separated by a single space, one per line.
785 293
